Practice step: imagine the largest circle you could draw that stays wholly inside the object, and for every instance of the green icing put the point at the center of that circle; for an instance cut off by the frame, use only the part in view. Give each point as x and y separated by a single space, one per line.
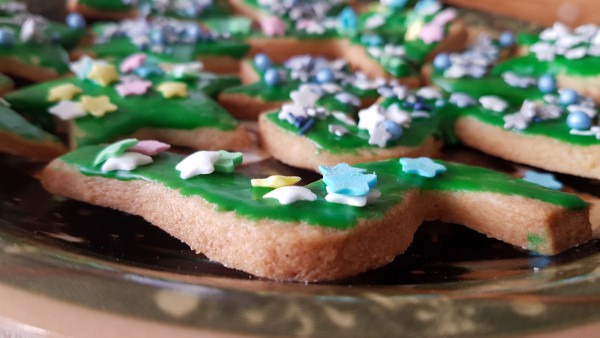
487 85
529 65
14 123
233 192
358 139
556 128
120 47
534 241
134 112
107 5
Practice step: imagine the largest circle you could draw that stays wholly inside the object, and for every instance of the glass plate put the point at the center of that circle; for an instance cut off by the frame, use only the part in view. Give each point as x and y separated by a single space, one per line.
452 282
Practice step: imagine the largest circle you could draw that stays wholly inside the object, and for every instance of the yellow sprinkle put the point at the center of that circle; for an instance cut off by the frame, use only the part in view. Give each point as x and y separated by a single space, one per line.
412 33
104 74
275 181
173 89
64 92
97 106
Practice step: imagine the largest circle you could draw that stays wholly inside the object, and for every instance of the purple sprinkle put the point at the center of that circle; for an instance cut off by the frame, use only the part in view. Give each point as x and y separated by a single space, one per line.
307 126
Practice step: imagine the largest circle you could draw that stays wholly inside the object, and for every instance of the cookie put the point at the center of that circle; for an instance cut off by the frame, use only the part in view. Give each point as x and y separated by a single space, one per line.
520 118
32 47
267 86
169 102
317 129
319 231
170 40
19 137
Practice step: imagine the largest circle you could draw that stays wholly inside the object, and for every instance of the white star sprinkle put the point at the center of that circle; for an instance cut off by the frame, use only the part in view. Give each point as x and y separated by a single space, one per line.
67 110
198 163
128 161
291 194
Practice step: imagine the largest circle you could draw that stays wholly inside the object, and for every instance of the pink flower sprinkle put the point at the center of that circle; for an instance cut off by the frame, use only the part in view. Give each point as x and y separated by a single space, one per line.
431 32
272 26
445 16
137 87
132 62
150 147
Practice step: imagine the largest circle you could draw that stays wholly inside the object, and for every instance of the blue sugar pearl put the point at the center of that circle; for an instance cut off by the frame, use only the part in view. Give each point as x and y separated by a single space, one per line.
393 128
568 96
324 75
272 77
440 102
7 37
75 21
442 61
547 83
506 39
579 120
262 61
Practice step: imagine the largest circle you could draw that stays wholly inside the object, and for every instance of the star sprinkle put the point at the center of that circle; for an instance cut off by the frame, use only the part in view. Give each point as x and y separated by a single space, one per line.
150 147
188 70
228 161
545 180
516 121
97 106
346 180
462 100
354 201
136 87
173 89
493 103
422 166
275 181
82 66
272 26
67 110
412 33
305 96
198 163
115 150
127 161
132 62
103 74
432 32
290 194
64 92
371 117
379 136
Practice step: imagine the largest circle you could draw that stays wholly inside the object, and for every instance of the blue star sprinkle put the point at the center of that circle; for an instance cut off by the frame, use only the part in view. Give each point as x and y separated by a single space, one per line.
545 180
346 180
422 166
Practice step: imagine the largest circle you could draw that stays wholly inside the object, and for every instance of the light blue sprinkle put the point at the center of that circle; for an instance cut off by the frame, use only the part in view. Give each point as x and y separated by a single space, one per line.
422 166
544 179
